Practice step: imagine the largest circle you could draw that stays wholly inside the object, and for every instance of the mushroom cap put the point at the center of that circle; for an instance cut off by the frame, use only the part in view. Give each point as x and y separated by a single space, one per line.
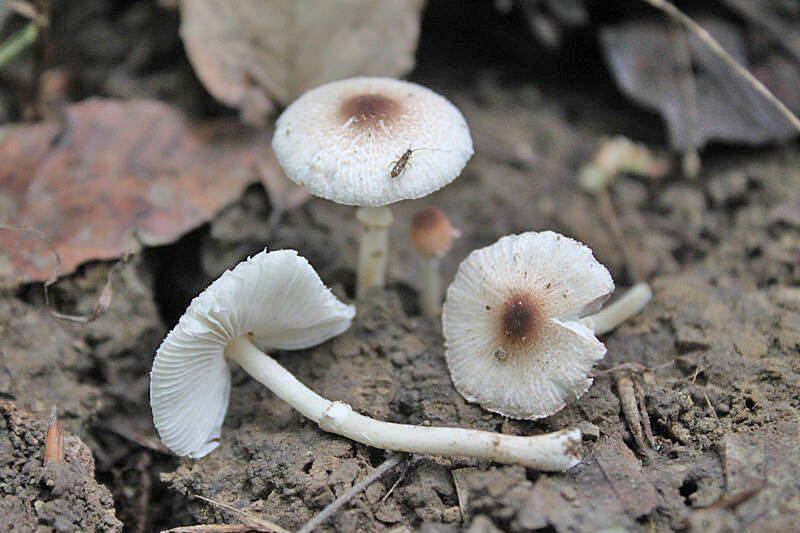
342 141
511 320
431 233
275 298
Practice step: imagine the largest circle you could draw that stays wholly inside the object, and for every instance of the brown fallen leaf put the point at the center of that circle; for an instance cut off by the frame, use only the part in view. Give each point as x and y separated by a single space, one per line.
250 52
121 174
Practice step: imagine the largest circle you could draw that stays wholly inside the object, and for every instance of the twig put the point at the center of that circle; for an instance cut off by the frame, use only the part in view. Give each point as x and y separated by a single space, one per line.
328 511
217 528
103 302
720 52
691 159
636 367
400 478
18 42
644 415
39 56
609 214
711 407
627 399
266 524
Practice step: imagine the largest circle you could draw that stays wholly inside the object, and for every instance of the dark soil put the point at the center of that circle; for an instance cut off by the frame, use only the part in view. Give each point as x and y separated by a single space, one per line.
722 253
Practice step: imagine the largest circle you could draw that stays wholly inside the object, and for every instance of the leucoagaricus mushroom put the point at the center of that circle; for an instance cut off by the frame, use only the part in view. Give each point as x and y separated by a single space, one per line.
277 300
517 335
370 142
431 235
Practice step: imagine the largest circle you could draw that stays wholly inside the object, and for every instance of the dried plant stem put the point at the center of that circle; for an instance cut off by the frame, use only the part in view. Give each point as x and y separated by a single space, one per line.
264 525
720 52
691 159
337 504
611 219
18 42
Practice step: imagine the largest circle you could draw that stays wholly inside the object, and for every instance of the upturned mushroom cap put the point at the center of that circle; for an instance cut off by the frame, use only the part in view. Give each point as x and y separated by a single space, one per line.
514 341
431 232
277 300
341 141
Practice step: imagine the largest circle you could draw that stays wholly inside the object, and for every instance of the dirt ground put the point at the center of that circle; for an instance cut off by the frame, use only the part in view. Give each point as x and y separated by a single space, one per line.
722 333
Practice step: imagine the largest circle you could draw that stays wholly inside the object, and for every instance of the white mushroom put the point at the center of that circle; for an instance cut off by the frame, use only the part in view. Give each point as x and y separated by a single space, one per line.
274 299
431 235
371 142
277 300
516 342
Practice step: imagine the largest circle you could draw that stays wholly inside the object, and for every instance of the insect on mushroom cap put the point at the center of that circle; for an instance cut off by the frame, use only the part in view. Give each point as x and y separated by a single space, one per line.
431 232
514 341
277 300
342 140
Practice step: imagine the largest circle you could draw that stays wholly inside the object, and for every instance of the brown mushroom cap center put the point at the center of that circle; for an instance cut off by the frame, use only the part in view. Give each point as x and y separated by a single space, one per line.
519 321
369 110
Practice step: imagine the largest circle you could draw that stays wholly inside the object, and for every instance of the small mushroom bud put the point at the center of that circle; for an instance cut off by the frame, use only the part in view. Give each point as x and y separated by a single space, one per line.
431 235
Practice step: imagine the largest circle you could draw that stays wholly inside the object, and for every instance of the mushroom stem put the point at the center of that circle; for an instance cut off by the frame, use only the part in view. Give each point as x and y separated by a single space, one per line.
556 451
374 248
620 310
431 296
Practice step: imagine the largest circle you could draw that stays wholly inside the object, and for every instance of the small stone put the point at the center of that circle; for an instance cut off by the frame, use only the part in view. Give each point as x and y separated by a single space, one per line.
389 513
399 358
482 524
589 430
569 493
346 346
451 514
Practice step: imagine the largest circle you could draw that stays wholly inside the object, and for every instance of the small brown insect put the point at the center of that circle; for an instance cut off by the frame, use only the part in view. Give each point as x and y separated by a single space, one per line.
399 165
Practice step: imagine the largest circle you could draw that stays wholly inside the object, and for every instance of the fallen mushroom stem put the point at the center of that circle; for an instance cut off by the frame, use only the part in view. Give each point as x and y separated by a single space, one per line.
431 295
556 451
620 310
374 248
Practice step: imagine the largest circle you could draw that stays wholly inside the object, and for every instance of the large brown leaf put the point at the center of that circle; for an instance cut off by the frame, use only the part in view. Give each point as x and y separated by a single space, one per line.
644 60
119 174
250 52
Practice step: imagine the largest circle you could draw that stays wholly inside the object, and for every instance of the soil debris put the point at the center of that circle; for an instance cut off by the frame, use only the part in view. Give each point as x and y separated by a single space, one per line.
61 495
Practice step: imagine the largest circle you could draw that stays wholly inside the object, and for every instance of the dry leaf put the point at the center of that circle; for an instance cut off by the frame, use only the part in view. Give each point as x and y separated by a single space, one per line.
120 174
250 52
642 56
283 194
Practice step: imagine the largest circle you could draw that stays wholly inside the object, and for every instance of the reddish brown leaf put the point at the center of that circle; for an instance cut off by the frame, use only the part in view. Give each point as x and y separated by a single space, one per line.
120 174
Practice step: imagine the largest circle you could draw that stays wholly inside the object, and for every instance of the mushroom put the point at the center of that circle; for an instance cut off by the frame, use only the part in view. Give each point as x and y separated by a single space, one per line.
370 142
431 235
276 299
518 340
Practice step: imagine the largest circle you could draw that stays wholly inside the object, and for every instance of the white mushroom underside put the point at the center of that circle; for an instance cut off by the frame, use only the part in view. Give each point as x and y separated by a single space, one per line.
334 157
537 379
277 300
